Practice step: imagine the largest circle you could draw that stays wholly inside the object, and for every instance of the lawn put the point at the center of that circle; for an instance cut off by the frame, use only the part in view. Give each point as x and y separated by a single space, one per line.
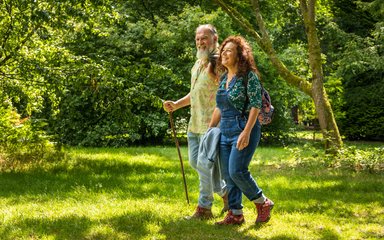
137 193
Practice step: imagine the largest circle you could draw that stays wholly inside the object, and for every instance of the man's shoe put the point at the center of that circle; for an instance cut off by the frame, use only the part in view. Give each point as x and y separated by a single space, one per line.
225 202
264 211
231 219
201 213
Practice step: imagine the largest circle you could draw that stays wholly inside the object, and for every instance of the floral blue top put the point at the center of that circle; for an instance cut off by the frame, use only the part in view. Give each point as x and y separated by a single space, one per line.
236 91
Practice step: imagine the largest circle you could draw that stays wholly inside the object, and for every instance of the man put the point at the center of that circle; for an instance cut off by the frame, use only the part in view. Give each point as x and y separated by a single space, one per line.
202 98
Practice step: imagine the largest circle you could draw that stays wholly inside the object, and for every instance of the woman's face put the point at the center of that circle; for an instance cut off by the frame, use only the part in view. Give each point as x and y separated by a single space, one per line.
229 55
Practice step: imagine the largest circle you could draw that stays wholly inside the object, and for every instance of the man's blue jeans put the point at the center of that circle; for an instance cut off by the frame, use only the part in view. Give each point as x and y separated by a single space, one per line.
208 185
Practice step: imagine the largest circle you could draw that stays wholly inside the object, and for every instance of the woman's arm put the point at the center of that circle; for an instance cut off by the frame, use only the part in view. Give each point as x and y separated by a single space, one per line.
215 119
243 140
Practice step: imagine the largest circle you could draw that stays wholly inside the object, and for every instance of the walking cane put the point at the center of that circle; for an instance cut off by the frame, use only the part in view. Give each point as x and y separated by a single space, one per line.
178 151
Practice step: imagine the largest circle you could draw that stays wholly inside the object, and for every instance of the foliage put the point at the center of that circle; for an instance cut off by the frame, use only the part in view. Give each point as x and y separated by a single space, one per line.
93 73
358 159
20 141
121 73
358 82
115 100
349 157
361 22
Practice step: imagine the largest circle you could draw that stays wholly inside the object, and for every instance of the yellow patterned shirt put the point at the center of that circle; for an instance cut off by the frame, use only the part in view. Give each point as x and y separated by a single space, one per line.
203 98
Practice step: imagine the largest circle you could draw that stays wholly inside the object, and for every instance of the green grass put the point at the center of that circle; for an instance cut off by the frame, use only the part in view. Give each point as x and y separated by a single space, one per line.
137 193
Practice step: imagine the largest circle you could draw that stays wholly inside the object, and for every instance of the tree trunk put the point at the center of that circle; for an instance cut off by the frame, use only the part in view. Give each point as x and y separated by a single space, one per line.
324 111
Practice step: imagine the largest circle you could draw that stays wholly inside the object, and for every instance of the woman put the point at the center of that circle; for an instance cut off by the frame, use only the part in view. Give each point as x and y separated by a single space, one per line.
238 102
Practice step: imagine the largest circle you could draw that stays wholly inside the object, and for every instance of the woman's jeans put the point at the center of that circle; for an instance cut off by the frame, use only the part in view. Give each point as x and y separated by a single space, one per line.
234 163
234 166
209 182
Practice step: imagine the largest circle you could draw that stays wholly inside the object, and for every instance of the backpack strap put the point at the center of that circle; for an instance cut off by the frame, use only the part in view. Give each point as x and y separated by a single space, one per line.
245 83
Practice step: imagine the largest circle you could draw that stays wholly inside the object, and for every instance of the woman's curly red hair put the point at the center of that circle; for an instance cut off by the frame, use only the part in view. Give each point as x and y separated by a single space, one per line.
245 62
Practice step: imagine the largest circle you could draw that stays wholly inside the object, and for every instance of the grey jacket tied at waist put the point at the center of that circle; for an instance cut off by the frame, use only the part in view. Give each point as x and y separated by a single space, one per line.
209 149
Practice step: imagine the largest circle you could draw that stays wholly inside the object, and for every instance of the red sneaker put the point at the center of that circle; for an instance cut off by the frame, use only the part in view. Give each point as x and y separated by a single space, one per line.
231 219
264 211
201 213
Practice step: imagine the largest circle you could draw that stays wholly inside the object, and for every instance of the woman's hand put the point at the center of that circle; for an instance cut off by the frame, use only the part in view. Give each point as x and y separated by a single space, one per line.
243 140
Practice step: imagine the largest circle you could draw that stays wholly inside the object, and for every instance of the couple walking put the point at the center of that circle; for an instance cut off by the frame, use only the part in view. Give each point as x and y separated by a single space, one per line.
226 93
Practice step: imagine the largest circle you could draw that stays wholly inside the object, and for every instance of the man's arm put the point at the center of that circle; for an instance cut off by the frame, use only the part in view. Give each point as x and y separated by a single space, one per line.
171 106
215 119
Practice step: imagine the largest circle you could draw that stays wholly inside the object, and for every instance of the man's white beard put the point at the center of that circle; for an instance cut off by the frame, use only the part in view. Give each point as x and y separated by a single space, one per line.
203 54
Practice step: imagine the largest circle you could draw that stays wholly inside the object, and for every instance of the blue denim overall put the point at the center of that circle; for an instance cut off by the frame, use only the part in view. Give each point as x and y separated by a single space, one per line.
234 163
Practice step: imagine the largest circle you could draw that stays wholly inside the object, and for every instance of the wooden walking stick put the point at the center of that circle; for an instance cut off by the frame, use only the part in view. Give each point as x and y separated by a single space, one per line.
178 151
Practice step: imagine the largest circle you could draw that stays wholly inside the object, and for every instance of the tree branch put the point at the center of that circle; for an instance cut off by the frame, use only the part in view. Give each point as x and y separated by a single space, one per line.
308 12
265 44
234 14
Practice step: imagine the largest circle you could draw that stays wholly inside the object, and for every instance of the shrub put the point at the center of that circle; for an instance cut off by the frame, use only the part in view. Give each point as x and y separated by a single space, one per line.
349 158
20 141
371 160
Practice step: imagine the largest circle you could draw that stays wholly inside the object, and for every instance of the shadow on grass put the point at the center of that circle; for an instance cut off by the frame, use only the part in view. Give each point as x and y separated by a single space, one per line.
71 227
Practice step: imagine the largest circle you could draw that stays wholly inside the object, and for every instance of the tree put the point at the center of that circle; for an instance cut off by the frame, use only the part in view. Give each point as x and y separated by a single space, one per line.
313 86
356 45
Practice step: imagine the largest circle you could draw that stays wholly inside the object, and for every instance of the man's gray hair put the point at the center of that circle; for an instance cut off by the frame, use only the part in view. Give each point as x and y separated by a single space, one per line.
210 27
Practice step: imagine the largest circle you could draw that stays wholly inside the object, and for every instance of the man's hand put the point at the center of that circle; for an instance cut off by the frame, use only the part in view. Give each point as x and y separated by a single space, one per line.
169 106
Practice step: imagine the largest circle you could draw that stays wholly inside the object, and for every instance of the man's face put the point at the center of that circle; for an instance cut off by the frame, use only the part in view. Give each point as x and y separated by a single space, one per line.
204 43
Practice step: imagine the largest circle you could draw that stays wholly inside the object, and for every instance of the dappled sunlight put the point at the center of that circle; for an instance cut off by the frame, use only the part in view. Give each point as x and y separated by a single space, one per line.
144 158
139 194
287 183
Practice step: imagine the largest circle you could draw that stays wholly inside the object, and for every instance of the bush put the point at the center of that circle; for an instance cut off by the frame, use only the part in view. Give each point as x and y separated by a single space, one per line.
361 67
371 160
20 141
364 112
